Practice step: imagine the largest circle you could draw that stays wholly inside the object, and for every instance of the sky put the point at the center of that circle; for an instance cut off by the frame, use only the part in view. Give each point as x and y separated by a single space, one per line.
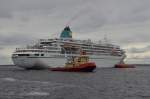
125 23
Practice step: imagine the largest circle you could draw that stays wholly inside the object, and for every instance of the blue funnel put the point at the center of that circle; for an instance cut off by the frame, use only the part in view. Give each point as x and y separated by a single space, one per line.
66 33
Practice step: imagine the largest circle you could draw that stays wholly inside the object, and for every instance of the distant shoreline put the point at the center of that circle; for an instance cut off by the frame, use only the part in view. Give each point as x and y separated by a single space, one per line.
141 64
8 65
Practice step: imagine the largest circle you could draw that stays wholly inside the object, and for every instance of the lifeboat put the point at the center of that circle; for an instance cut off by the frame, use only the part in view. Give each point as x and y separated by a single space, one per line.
77 64
124 66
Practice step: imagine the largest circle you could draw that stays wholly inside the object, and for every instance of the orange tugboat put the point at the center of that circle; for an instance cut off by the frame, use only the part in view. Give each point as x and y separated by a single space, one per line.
77 64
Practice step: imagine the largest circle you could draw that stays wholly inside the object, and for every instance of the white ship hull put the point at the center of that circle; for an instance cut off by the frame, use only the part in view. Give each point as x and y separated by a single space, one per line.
46 62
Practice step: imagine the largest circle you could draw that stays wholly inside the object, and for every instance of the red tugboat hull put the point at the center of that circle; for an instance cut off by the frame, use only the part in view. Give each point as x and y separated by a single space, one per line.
87 67
124 66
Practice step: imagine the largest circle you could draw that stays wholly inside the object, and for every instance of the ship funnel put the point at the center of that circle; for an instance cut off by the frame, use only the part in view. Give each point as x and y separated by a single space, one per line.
66 33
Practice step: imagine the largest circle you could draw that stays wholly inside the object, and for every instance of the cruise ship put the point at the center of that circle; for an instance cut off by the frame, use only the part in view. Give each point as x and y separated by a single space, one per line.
46 53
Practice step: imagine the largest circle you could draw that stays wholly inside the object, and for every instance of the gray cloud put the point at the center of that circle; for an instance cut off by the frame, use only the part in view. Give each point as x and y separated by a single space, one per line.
139 50
116 11
16 39
83 15
25 20
1 48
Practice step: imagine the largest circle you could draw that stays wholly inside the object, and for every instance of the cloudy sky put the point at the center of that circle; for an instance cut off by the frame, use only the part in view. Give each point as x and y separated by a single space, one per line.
125 22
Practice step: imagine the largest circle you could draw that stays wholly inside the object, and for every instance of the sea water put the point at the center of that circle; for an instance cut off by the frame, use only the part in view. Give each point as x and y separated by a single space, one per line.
103 83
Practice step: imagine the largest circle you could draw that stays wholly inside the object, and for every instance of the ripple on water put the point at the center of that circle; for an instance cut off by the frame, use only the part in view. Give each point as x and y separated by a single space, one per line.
8 79
34 93
102 84
21 88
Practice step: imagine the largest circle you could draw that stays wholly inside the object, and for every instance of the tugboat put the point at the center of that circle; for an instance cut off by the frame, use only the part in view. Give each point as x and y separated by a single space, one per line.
124 66
77 64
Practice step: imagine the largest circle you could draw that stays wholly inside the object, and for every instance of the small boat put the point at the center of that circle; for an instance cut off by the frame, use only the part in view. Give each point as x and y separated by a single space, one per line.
77 64
124 66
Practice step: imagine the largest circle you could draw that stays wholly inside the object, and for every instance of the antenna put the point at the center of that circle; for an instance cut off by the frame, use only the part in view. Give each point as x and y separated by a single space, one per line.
105 38
54 34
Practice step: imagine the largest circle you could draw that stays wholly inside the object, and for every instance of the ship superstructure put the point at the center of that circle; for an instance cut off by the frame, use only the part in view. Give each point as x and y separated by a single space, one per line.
53 52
